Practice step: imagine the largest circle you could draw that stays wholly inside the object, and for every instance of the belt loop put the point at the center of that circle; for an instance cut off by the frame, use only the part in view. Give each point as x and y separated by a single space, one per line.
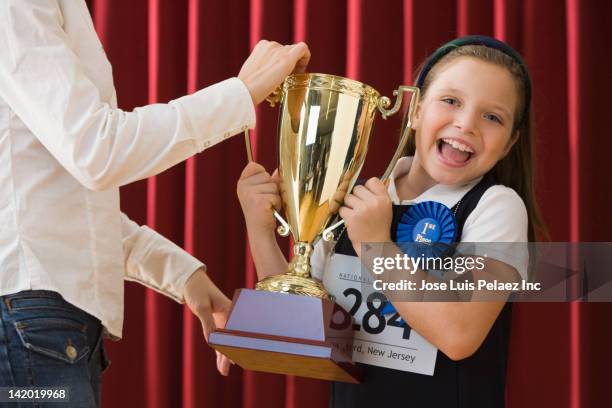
7 302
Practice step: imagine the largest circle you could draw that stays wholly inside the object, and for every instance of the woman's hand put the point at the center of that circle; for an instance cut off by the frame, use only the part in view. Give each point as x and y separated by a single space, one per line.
258 193
269 64
367 213
211 306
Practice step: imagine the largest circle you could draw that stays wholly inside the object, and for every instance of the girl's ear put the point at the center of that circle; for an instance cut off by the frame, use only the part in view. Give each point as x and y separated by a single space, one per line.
511 143
417 116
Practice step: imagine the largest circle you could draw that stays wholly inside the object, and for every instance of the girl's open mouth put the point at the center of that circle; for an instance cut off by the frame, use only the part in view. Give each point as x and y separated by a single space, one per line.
454 153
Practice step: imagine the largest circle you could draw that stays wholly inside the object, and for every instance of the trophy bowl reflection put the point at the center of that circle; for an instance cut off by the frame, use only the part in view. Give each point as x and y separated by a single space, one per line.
324 131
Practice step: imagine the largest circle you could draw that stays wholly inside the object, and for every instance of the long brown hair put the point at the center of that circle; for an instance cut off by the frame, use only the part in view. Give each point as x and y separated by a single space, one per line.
516 170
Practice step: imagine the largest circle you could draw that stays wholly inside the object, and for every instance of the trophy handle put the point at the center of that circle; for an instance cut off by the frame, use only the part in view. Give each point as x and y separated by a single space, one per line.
328 233
284 229
383 105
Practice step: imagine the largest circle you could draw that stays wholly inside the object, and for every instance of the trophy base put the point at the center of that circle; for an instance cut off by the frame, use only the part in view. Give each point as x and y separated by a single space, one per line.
287 334
293 285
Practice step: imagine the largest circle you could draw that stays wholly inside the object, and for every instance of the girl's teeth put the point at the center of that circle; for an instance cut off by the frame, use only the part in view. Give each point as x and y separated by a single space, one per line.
458 146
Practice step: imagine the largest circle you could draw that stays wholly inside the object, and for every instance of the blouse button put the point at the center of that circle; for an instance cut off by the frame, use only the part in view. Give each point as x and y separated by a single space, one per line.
71 352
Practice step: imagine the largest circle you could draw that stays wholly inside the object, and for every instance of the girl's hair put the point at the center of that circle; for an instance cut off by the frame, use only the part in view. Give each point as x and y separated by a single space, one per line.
516 170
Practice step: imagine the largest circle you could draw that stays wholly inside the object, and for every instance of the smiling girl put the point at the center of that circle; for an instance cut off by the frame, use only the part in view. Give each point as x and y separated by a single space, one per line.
472 155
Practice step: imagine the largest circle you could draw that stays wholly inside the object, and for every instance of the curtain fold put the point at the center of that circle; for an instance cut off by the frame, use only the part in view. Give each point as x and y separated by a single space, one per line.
161 49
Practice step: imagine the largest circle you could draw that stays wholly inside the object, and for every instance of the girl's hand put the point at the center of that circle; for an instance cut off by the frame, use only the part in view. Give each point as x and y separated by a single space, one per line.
367 213
258 193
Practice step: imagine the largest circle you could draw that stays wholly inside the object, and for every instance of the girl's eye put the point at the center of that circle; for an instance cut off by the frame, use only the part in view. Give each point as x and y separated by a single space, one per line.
450 101
493 118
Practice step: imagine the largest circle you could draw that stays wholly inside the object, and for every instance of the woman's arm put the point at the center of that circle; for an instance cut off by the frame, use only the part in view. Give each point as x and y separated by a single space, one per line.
55 94
156 262
49 87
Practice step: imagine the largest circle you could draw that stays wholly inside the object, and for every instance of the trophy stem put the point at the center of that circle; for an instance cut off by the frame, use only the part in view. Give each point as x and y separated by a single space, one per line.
300 262
297 280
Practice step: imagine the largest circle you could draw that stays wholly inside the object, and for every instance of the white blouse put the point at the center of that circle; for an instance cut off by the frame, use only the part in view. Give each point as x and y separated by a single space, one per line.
65 148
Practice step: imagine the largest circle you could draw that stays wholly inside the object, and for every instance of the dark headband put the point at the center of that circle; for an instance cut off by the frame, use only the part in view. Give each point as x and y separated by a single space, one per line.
487 42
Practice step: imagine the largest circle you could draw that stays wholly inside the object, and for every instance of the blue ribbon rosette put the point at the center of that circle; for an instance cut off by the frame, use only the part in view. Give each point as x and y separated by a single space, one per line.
427 230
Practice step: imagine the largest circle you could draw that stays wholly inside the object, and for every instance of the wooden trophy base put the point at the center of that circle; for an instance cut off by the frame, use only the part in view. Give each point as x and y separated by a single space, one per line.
288 334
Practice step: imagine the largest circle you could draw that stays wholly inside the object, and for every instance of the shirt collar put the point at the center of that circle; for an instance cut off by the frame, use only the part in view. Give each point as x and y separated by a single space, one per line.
449 195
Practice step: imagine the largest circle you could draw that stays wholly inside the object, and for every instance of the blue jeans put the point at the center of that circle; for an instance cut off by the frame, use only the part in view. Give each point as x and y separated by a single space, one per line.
47 342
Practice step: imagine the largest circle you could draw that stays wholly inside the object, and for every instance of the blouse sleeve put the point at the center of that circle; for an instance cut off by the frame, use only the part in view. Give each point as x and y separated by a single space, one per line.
498 229
155 261
45 84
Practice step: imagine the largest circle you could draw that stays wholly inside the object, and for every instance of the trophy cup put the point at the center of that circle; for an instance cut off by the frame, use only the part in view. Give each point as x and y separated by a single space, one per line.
290 324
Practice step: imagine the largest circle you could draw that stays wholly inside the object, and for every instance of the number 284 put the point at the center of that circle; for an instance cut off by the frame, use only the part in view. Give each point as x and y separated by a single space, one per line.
373 321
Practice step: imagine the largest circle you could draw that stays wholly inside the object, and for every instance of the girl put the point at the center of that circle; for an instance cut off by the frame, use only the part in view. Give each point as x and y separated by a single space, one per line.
472 153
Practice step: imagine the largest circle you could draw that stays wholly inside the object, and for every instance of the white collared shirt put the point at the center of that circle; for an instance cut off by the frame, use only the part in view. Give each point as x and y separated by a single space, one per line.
500 217
65 148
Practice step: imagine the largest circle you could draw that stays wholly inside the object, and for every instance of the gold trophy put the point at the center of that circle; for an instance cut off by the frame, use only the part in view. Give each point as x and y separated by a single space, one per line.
323 135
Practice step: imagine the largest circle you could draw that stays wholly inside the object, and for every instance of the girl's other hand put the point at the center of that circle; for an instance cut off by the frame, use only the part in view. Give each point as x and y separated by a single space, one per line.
367 213
258 193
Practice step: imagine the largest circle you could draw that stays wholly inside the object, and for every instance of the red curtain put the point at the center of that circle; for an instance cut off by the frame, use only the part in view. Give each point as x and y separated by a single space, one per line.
162 49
